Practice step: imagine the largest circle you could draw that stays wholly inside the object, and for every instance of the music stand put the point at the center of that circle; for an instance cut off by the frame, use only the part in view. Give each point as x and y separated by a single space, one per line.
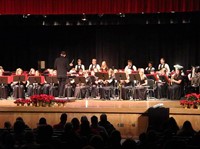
120 76
51 79
135 76
79 80
19 78
3 80
34 79
102 75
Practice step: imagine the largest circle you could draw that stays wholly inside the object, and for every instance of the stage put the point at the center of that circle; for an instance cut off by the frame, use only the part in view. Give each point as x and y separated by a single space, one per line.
128 116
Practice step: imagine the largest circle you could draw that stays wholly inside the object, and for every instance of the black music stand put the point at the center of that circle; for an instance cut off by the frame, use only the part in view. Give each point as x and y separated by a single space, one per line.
79 80
34 79
19 78
3 80
102 75
51 79
120 76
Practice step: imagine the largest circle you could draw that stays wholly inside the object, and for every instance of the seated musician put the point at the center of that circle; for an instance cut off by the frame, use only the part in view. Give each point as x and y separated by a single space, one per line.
81 89
139 91
163 64
106 89
92 82
194 77
50 88
79 66
127 86
130 66
162 84
104 67
175 87
18 87
94 66
31 72
34 88
4 87
150 69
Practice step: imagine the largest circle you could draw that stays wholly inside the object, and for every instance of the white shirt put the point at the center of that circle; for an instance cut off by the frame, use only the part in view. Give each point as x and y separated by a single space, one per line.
130 67
92 67
80 67
166 66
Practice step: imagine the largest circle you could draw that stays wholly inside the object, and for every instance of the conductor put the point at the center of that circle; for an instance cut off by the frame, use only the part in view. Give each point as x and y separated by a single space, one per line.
61 64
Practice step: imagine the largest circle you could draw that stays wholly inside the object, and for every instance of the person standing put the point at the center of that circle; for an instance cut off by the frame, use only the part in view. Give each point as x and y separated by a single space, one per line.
61 64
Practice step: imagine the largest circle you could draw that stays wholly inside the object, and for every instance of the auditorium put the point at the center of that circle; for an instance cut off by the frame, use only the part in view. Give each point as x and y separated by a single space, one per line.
100 74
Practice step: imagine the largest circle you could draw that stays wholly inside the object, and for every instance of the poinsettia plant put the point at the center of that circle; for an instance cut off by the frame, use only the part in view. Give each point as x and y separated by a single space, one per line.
192 99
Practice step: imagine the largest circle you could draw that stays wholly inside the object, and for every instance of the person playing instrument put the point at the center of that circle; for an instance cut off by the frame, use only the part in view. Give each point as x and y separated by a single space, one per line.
162 84
94 66
34 88
18 87
4 87
130 66
139 91
150 69
79 66
163 64
175 88
104 67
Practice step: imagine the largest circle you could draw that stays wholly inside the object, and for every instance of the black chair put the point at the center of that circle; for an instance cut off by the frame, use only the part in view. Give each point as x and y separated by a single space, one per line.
151 87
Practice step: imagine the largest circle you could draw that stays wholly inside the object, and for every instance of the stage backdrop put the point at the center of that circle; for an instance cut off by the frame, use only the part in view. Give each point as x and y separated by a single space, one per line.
26 45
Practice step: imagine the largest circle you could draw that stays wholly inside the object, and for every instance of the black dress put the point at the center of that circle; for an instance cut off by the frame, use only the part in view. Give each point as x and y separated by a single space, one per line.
175 90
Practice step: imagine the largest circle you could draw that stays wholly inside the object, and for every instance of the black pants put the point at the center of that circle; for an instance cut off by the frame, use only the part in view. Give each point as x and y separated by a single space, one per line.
61 86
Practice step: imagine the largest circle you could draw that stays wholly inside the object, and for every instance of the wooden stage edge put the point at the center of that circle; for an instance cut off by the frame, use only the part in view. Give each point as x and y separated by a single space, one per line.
128 116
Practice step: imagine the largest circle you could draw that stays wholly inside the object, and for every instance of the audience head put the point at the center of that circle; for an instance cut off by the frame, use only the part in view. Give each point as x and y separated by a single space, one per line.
76 123
63 117
94 120
7 125
42 121
129 144
63 53
103 117
97 142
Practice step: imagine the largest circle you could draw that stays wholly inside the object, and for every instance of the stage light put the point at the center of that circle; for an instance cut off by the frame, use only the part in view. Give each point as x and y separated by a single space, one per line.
84 17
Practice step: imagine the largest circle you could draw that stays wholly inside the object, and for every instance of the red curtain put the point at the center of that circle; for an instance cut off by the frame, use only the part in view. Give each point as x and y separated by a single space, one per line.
96 6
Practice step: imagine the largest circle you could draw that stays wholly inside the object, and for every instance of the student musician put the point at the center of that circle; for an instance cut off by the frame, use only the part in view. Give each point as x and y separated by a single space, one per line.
194 77
150 69
127 86
18 87
106 89
175 87
163 64
104 67
81 89
139 91
162 84
79 66
92 82
34 88
130 66
94 66
4 88
50 88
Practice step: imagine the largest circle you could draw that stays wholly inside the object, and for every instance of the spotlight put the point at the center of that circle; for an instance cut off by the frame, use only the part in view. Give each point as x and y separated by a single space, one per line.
84 17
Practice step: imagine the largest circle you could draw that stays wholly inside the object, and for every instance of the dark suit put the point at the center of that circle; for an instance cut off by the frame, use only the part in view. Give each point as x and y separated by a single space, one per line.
61 64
